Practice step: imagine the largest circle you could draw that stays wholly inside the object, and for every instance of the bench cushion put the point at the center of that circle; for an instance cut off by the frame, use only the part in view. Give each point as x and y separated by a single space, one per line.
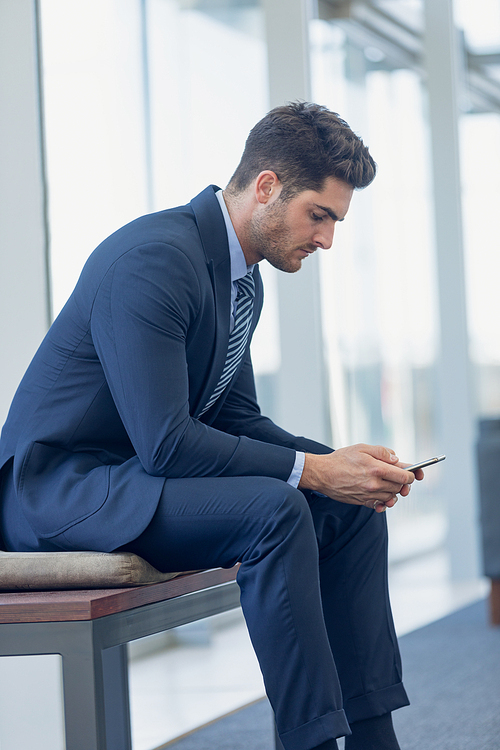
75 570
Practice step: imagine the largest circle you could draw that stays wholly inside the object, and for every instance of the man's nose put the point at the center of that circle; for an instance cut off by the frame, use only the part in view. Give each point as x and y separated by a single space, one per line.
324 237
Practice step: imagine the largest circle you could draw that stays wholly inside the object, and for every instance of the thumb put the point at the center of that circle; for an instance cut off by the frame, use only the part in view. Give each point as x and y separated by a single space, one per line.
382 454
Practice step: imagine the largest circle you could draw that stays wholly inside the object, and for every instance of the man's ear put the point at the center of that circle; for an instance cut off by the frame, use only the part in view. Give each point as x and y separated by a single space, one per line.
267 187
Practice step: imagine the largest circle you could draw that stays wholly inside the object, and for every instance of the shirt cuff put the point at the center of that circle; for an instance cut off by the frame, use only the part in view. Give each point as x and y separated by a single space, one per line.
297 470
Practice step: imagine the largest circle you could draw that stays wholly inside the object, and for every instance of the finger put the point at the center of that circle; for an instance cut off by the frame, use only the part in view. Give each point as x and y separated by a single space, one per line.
379 507
394 488
380 452
392 473
397 476
418 474
382 498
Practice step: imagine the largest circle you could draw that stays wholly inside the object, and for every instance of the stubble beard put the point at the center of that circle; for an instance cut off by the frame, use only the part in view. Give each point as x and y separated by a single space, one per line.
270 237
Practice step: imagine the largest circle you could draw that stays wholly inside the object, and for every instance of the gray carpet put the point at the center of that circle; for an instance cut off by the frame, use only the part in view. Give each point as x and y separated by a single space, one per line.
250 728
452 675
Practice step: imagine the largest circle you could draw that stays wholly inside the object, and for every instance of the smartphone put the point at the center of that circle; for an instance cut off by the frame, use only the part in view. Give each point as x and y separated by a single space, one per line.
422 464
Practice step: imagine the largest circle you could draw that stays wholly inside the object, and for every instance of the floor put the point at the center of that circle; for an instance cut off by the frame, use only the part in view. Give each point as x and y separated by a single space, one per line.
208 669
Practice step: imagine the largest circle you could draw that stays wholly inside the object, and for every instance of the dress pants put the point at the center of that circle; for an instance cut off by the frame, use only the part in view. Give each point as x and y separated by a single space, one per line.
314 593
313 580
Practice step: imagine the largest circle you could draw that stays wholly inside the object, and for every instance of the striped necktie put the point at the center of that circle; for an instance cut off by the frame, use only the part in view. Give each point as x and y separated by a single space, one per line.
238 338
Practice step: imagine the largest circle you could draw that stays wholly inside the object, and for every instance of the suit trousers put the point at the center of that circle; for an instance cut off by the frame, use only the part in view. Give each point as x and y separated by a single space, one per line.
314 593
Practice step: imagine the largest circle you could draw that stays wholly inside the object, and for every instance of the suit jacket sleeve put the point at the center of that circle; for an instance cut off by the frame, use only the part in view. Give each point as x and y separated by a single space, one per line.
141 323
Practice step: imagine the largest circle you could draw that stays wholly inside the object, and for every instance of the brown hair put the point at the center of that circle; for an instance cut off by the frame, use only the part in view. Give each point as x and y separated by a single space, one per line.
303 144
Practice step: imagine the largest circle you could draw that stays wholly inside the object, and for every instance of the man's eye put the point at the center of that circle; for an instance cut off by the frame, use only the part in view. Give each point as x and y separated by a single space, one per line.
316 217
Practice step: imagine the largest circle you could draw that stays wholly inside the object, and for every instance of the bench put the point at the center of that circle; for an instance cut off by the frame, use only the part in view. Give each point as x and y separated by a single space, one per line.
90 629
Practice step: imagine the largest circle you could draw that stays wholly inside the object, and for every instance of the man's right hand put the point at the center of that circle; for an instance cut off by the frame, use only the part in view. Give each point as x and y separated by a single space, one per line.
359 475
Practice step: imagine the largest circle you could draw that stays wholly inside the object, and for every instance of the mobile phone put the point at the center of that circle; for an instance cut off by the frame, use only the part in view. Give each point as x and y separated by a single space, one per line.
425 463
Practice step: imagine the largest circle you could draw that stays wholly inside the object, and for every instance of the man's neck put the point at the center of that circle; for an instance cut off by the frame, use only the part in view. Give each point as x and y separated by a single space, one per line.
240 211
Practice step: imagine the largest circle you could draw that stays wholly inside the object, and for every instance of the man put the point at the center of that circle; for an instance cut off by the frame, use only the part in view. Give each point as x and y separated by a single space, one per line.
136 427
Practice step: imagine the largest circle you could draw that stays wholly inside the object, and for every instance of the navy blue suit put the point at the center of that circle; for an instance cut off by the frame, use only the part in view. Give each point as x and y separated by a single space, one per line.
103 449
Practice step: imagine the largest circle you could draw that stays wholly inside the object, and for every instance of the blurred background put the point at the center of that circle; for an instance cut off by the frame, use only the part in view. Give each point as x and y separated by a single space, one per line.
113 108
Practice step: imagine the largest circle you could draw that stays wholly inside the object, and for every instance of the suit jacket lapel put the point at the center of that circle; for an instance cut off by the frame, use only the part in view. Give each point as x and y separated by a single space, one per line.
213 235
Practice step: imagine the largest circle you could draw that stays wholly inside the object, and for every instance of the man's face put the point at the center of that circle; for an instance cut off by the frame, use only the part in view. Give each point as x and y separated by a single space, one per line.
286 232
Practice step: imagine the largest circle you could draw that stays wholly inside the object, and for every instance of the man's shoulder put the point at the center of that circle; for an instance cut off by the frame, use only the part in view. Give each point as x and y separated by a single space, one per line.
203 208
181 226
192 235
159 227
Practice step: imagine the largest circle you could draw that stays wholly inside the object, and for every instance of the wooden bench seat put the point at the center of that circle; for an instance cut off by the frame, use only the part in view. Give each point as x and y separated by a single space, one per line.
90 630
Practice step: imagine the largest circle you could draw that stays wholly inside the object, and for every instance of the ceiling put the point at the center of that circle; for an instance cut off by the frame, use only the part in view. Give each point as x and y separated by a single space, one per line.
391 33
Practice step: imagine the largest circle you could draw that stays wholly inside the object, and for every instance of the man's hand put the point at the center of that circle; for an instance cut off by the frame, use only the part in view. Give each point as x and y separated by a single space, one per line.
360 474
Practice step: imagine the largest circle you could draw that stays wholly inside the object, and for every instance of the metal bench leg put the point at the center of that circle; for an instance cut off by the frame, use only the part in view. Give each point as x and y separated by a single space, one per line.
116 698
83 690
96 695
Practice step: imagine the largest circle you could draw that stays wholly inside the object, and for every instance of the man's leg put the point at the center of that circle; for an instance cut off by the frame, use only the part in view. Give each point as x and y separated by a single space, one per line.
267 526
358 618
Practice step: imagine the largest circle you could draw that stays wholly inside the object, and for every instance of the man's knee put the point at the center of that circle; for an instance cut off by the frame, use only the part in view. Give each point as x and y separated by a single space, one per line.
289 509
279 495
281 523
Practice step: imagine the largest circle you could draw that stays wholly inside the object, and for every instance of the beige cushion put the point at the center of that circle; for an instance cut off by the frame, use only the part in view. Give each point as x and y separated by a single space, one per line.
75 570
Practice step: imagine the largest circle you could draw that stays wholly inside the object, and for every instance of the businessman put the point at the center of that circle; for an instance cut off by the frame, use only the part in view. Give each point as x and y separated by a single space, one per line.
137 427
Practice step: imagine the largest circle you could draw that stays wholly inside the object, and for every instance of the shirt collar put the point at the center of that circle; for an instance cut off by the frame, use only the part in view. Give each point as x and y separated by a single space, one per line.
239 266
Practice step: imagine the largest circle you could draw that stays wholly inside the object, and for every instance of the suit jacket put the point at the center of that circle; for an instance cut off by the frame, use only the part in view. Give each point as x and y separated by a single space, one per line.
107 411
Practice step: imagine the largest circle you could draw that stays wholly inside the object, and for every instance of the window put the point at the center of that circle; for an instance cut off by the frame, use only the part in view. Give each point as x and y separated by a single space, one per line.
145 104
